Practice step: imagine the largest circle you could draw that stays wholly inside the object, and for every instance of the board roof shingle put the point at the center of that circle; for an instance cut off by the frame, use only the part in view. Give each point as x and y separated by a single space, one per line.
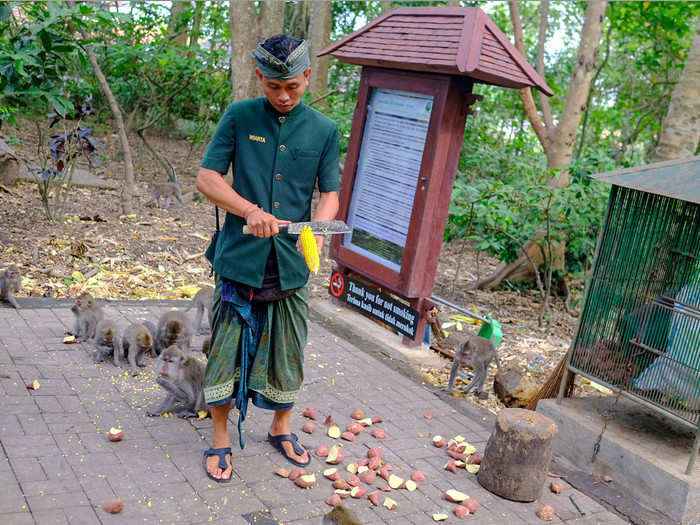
449 40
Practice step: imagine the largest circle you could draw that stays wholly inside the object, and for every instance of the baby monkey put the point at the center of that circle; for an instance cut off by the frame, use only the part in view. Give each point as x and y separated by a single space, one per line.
136 341
166 190
106 342
477 353
10 283
87 314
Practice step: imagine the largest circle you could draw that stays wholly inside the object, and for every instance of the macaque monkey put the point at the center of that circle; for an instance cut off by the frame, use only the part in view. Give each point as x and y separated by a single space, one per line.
340 515
106 342
166 190
10 283
136 341
476 352
87 314
152 329
202 300
206 346
173 329
182 377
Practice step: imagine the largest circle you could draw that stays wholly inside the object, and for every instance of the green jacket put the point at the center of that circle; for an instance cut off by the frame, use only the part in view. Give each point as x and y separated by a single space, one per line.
278 160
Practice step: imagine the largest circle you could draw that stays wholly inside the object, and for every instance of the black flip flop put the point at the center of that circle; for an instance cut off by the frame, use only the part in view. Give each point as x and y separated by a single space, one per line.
276 441
221 452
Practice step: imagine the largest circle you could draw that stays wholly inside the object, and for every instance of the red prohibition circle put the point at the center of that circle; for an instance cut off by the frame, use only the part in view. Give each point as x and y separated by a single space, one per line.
337 284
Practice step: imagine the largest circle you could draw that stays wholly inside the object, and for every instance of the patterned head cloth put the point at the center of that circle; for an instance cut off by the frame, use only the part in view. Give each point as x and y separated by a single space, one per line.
270 66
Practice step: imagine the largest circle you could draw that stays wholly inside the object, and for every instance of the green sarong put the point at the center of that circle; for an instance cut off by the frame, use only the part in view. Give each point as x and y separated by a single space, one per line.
277 369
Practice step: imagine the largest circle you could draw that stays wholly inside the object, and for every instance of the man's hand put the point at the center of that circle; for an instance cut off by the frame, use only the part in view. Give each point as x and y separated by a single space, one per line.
263 224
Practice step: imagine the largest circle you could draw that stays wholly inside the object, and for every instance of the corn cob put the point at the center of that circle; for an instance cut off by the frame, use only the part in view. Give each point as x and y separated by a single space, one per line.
308 243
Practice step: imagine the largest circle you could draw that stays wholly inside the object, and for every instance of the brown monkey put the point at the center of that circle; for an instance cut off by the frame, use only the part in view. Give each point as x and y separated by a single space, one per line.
340 516
87 314
165 190
476 352
106 342
202 300
136 341
173 328
182 377
10 283
152 329
206 345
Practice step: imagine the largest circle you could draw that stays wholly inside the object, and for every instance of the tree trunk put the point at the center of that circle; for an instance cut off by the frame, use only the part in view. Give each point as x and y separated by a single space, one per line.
177 26
271 18
127 195
681 127
557 141
243 34
319 33
196 23
299 25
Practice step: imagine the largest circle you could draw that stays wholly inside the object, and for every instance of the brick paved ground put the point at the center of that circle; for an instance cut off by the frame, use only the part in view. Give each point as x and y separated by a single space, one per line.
58 466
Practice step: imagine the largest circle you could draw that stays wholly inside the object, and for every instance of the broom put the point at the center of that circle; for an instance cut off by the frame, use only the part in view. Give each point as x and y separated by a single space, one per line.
550 388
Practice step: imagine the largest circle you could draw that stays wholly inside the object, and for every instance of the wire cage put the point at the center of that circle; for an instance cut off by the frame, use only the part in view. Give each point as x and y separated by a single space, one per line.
639 330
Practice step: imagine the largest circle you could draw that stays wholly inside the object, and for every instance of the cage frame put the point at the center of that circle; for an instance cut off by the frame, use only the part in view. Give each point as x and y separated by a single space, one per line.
685 186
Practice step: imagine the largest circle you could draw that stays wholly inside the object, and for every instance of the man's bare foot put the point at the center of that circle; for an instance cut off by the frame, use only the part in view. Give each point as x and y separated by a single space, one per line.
213 461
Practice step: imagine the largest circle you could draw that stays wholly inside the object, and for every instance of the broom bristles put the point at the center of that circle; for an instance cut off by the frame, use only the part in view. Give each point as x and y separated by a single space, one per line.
550 388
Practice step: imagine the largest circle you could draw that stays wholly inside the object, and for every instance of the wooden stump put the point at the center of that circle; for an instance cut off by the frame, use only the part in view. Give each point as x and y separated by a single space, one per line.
517 456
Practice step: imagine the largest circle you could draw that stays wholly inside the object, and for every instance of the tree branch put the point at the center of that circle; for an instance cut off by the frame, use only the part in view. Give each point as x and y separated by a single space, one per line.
525 93
544 99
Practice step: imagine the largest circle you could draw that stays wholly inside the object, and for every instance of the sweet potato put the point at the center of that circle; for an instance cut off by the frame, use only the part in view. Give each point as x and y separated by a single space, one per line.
347 436
329 422
556 487
546 513
368 477
418 476
357 414
357 492
333 500
322 451
472 469
366 421
335 455
282 472
352 468
310 413
375 463
384 472
353 481
475 459
34 385
390 503
374 498
355 428
438 441
114 506
439 517
451 466
395 481
362 469
296 473
334 431
115 434
309 428
377 419
455 496
341 484
379 433
374 452
410 485
331 473
306 481
461 511
457 456
471 505
429 414
362 463
342 493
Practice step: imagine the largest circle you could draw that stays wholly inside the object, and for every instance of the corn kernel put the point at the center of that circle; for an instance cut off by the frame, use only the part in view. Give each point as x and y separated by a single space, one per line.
308 243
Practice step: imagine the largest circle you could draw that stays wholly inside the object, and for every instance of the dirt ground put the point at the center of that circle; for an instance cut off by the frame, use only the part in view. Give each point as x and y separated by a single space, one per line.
159 254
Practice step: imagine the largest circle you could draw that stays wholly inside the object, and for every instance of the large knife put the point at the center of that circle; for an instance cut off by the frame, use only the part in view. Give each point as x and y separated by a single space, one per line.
317 227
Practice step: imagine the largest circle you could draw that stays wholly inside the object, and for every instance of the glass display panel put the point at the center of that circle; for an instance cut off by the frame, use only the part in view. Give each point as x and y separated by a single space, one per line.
387 173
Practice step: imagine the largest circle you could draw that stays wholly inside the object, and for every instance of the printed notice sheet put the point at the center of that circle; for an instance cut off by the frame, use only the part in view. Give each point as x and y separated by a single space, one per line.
387 174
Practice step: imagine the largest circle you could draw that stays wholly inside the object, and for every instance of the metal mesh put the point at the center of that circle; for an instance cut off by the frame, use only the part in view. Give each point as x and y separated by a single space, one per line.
640 327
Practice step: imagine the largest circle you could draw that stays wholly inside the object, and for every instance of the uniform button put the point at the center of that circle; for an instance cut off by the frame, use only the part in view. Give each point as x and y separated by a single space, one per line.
283 148
278 176
282 120
276 204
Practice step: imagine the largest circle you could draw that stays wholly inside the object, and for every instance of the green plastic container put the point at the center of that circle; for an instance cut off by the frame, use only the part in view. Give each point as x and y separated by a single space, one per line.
492 331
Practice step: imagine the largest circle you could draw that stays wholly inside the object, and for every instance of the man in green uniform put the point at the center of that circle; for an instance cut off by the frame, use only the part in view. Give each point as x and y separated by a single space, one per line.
280 150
